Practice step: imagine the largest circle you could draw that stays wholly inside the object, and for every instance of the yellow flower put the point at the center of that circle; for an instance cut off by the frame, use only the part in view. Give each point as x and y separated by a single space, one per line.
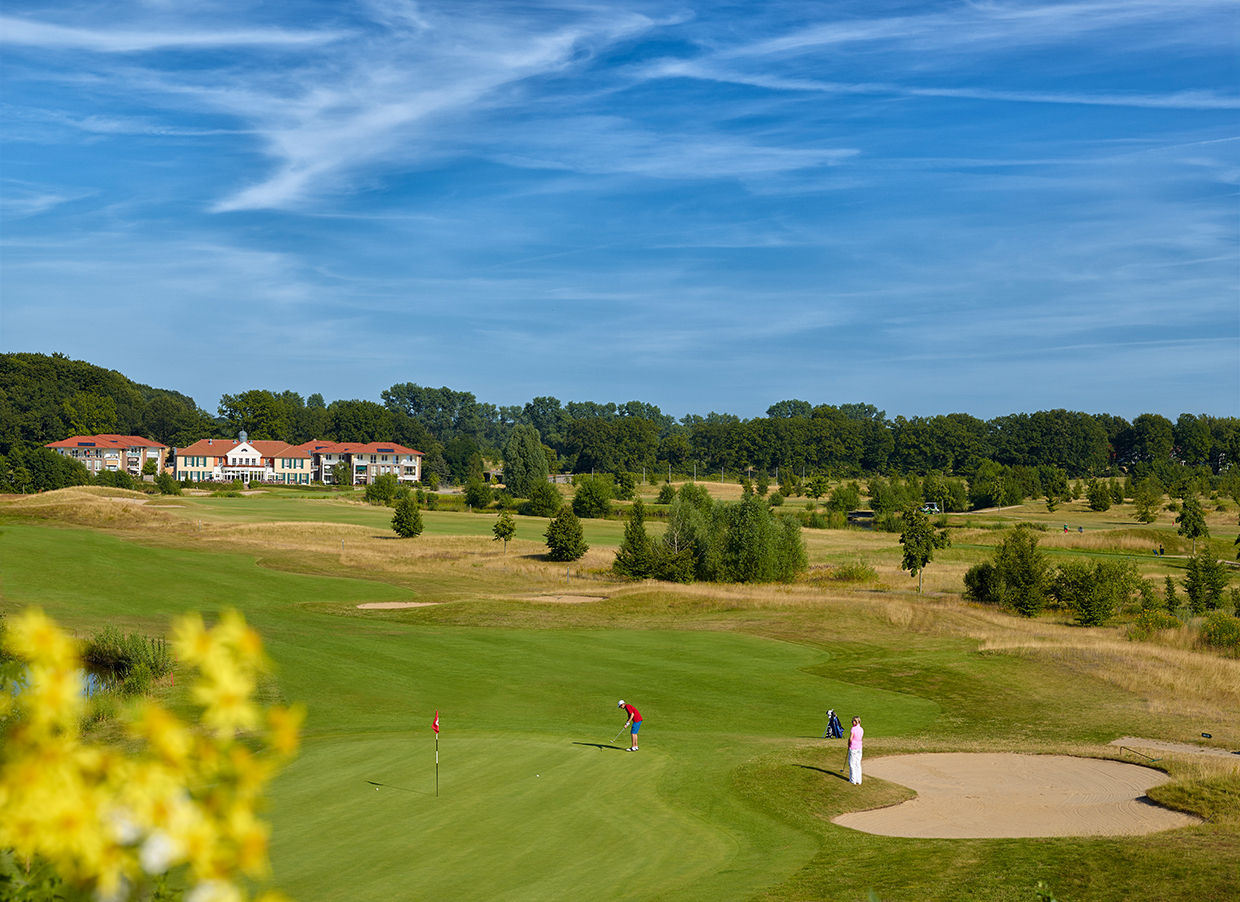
250 836
166 735
191 641
244 640
33 636
226 700
285 726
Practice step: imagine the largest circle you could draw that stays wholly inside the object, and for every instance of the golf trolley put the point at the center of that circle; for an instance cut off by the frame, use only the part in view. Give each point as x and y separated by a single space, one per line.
834 730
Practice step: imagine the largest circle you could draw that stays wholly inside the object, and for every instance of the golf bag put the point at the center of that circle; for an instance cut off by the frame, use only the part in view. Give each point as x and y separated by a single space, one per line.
833 730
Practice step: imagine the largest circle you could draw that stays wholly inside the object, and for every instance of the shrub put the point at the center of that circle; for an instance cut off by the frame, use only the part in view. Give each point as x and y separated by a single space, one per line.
1222 631
1094 593
167 484
477 494
666 494
117 479
544 500
776 499
407 521
593 497
128 663
565 538
1151 621
982 584
382 490
858 571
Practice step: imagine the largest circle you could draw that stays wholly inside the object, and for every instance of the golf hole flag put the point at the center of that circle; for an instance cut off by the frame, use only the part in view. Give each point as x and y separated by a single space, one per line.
435 727
435 722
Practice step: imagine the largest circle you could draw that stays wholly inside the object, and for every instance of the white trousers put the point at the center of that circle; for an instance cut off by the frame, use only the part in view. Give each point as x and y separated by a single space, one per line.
854 766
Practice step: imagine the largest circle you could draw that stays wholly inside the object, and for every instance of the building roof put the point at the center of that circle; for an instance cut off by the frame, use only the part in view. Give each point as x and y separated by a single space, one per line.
328 447
107 440
219 447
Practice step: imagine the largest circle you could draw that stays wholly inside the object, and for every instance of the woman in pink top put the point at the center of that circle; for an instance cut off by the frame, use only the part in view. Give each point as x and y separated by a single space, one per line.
854 751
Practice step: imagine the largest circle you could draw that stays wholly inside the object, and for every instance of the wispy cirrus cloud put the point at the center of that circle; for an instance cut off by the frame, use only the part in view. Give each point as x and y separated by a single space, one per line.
111 39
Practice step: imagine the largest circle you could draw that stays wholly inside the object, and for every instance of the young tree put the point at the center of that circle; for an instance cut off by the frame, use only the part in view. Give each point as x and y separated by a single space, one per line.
565 538
477 494
544 500
341 474
593 497
1022 569
383 489
918 541
504 529
1170 599
1204 582
407 521
1094 593
1099 495
635 558
1146 498
1192 520
167 484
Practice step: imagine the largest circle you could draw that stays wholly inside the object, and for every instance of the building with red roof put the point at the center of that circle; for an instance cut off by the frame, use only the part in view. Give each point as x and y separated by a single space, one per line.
225 460
114 453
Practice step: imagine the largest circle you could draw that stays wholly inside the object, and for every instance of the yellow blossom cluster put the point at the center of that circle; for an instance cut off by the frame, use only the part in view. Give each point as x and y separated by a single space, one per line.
184 801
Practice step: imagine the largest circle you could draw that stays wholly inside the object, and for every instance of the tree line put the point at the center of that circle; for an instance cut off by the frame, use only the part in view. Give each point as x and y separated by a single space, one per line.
44 398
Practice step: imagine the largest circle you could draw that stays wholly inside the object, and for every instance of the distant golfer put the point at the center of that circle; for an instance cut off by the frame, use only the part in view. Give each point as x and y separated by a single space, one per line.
634 723
854 752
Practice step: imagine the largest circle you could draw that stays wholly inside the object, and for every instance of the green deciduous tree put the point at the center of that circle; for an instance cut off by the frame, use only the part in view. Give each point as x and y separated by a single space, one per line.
1094 593
1016 577
477 494
407 521
593 497
1192 520
1146 498
504 529
565 537
545 500
383 489
1099 495
918 541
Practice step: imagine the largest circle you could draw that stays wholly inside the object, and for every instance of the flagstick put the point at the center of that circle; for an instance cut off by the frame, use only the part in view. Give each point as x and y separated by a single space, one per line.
436 765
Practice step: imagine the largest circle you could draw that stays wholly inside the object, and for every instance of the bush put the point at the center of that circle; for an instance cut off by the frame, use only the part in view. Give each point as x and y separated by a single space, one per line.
382 490
1151 621
565 538
1222 631
477 494
407 521
117 479
593 497
544 501
167 484
1094 593
776 499
858 571
666 494
982 584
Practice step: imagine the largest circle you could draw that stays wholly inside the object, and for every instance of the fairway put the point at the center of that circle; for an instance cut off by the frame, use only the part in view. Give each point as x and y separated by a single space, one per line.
733 793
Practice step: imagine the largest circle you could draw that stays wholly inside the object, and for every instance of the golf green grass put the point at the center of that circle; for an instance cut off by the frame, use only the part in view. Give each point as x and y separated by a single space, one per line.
729 797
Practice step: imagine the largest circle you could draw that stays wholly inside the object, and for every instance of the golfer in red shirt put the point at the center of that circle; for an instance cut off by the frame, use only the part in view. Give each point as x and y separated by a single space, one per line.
634 722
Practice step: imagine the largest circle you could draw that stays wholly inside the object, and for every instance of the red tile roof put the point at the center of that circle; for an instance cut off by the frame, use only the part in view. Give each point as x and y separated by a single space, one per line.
107 440
328 447
219 447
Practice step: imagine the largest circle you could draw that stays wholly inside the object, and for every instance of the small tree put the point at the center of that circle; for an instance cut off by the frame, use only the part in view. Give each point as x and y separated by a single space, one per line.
477 494
1094 593
383 489
565 538
1022 569
1204 582
1170 599
341 474
504 529
593 497
918 541
149 468
544 501
407 521
1099 494
667 494
1117 491
167 484
1146 498
1192 520
635 558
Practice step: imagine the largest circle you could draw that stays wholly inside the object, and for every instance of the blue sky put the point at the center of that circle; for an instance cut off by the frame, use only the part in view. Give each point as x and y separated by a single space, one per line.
985 207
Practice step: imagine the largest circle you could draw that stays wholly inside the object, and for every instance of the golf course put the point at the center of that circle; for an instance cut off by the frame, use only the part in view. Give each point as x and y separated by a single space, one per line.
526 793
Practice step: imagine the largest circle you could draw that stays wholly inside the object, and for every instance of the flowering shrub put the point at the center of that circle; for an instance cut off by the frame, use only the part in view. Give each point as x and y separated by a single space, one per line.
179 806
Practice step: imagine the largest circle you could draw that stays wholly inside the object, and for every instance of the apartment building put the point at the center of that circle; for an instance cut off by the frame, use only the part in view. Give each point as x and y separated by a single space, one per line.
115 453
366 461
225 460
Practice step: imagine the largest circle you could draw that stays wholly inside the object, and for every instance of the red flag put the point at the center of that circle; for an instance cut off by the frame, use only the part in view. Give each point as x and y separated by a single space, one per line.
435 722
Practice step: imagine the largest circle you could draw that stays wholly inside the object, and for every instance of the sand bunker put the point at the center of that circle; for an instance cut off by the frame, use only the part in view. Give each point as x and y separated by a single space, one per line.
395 605
565 599
999 795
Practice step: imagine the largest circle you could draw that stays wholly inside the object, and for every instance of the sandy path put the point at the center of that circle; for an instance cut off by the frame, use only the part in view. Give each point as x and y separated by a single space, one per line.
395 605
963 795
1183 748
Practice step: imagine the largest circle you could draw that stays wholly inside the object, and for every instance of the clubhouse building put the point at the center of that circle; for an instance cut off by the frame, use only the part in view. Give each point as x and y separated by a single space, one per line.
113 453
226 460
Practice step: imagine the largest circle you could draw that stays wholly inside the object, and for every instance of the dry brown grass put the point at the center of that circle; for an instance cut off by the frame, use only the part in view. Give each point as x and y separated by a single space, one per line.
97 506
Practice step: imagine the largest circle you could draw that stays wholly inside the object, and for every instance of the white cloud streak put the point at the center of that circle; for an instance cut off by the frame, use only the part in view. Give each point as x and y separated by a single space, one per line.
47 36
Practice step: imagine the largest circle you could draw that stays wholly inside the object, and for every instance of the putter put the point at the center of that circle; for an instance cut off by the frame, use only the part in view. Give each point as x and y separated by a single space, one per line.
617 736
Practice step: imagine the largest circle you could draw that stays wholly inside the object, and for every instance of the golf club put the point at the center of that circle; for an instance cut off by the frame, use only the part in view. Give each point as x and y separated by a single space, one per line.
617 736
